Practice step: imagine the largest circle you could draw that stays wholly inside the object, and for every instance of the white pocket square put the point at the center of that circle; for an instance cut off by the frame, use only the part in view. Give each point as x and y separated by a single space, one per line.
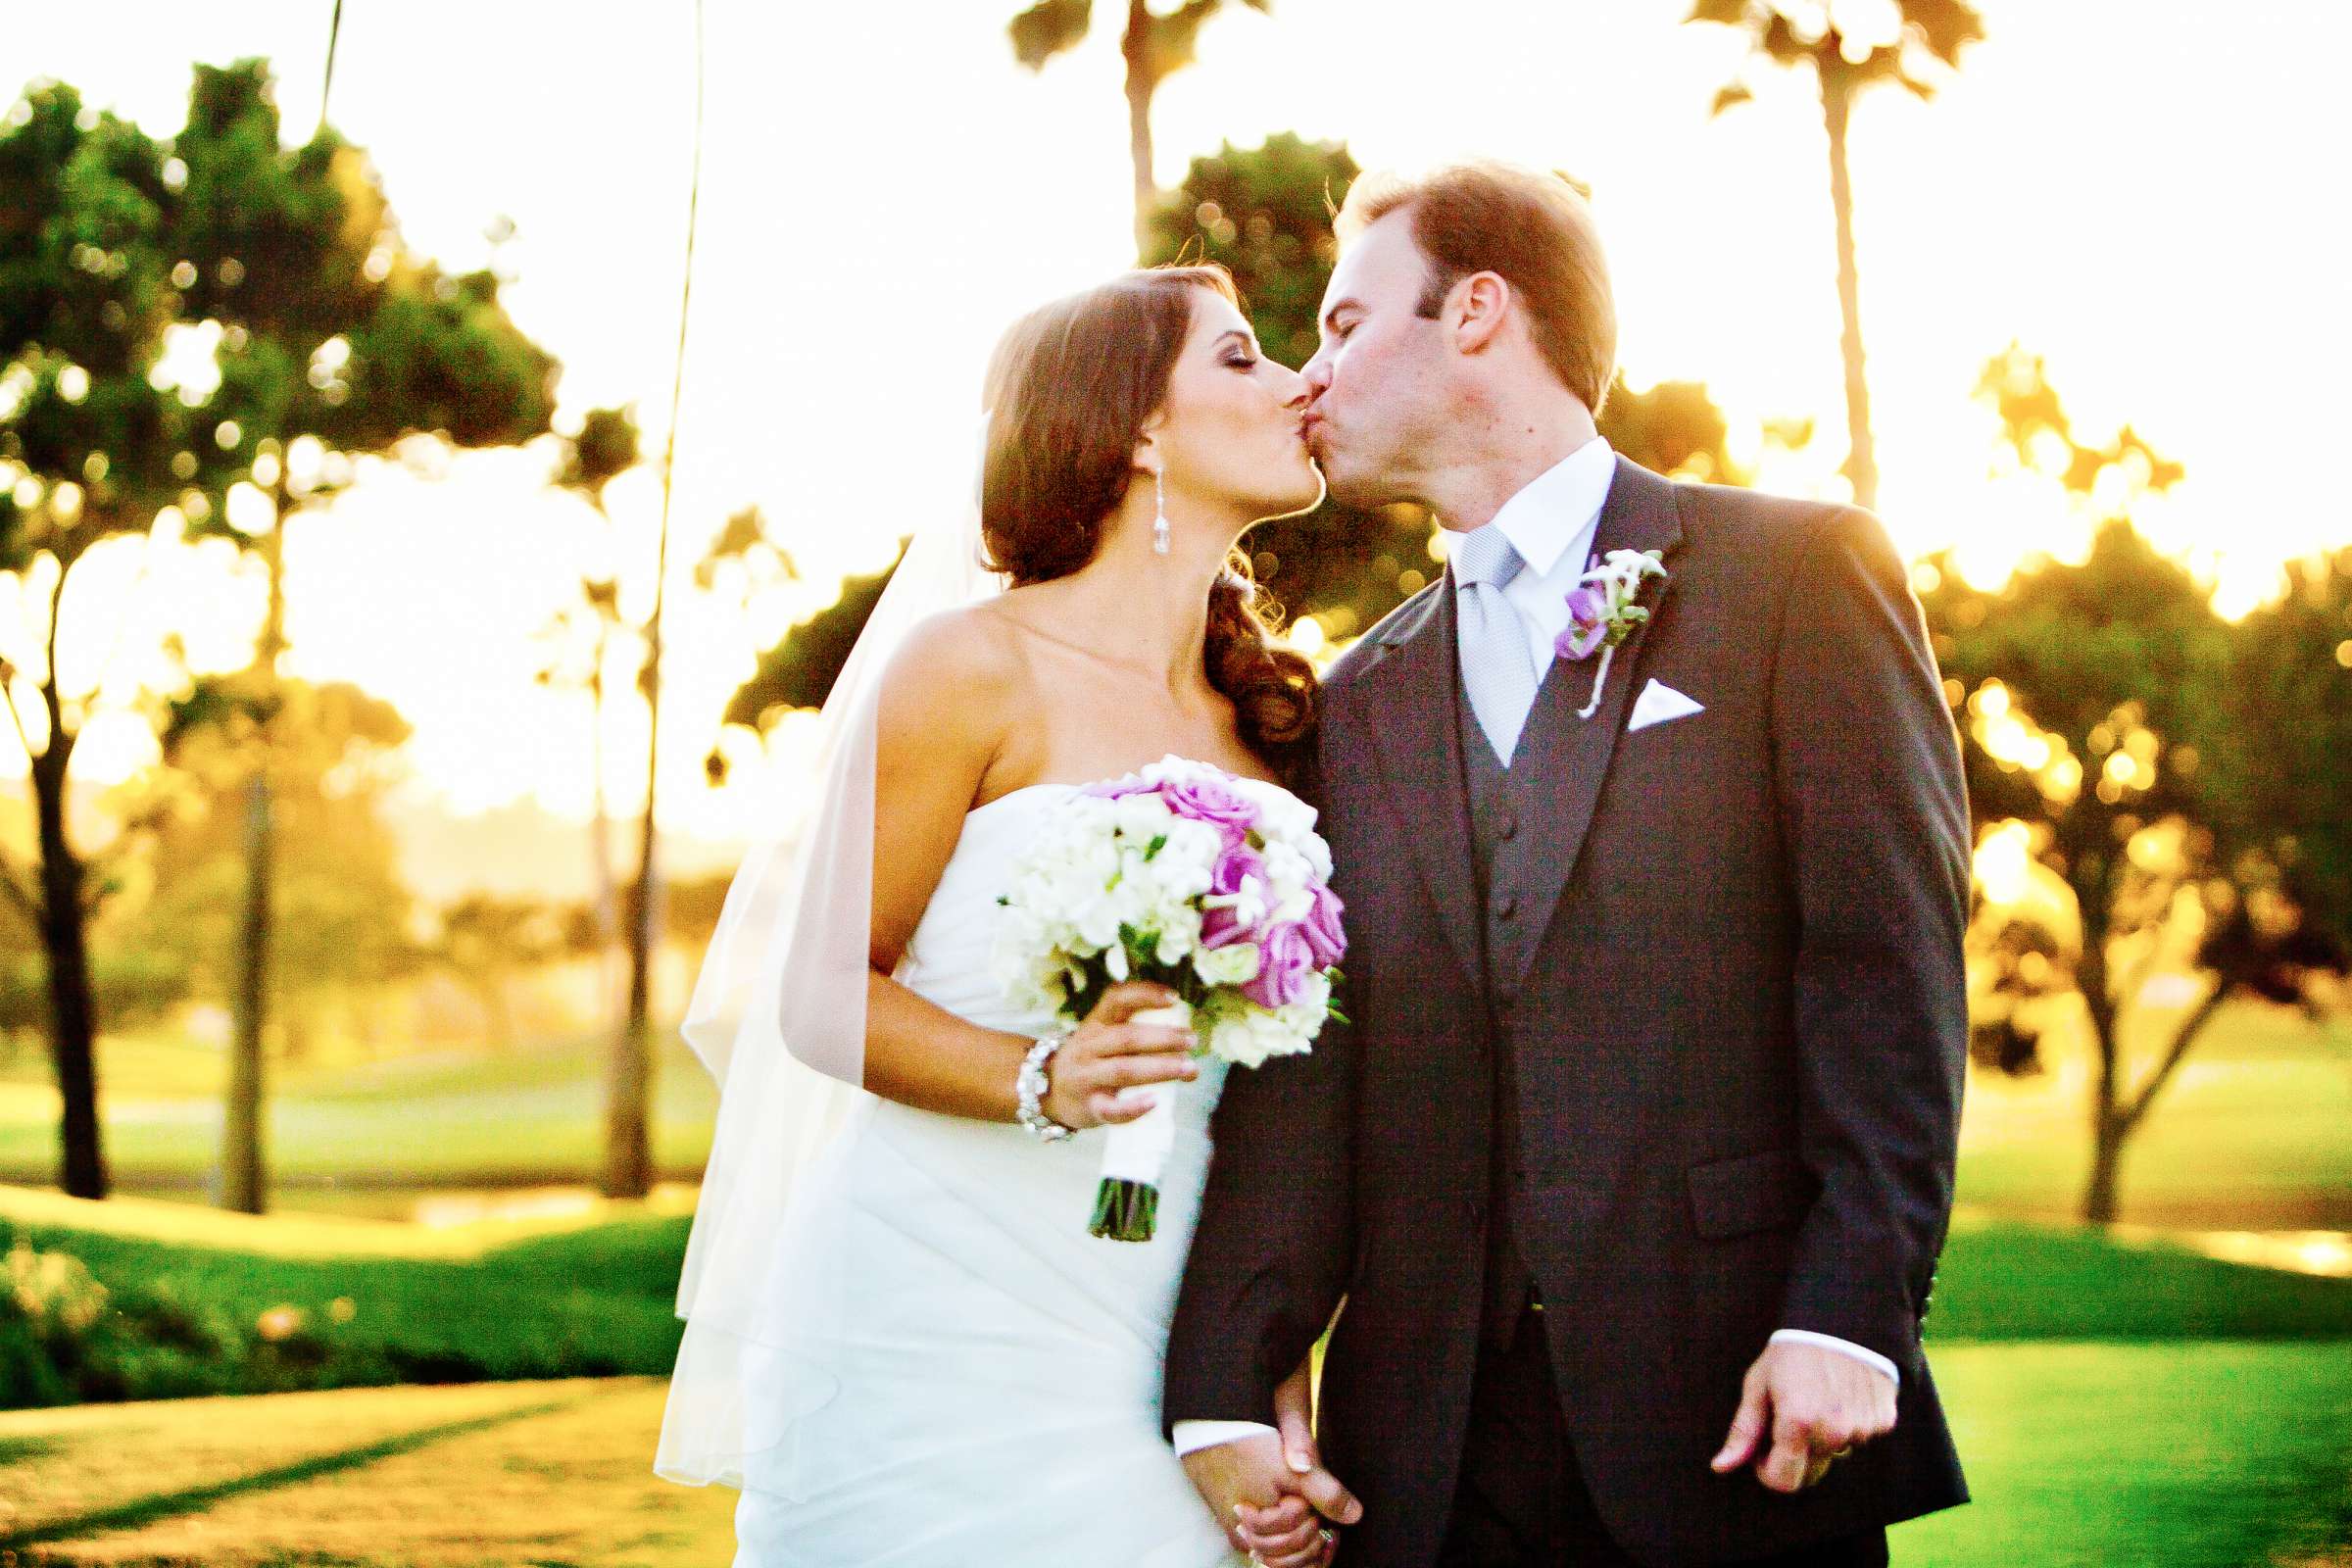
1657 703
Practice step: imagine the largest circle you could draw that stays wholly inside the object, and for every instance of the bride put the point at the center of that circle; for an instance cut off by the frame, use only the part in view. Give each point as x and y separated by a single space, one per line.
902 1343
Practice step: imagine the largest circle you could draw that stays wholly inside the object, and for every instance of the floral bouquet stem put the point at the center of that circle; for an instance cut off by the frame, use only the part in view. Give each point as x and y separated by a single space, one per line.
1136 1153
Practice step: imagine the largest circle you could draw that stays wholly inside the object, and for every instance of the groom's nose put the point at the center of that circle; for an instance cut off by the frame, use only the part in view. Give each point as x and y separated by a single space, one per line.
1316 372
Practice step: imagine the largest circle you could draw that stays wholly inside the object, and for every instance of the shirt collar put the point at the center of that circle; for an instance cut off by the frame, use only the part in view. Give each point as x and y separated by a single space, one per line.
1558 506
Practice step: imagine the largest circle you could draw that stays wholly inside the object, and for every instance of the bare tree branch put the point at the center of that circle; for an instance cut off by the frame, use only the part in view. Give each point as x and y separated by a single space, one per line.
2191 1027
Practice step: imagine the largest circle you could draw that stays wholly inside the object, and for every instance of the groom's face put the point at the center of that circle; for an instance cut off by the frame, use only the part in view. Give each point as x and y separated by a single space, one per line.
1380 373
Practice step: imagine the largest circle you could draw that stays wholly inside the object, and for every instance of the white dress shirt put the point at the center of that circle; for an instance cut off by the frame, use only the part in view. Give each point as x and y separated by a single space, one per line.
1551 524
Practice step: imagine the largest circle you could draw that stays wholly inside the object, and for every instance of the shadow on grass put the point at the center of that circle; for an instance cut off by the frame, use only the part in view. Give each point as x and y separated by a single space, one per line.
142 1511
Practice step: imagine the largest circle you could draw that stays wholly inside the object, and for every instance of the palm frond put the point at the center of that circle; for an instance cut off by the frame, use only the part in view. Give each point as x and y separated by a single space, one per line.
1048 28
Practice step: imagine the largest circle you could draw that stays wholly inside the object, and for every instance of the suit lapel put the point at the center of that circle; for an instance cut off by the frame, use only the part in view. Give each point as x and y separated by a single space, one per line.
1418 739
1569 756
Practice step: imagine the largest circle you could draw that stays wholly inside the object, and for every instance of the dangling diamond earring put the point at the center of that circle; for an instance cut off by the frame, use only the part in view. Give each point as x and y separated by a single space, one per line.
1160 518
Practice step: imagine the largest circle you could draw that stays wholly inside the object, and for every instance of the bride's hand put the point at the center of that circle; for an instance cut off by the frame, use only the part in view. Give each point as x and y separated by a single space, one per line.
1109 1053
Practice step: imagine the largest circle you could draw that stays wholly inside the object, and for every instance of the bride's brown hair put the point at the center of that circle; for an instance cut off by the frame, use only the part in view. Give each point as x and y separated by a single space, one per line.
1068 391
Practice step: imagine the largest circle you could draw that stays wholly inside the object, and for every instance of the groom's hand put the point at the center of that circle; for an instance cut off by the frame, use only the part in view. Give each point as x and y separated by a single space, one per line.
1271 1492
1253 1493
1816 1403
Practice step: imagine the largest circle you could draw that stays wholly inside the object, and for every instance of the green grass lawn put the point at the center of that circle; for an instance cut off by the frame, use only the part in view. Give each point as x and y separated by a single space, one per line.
2194 1455
530 1115
2252 1134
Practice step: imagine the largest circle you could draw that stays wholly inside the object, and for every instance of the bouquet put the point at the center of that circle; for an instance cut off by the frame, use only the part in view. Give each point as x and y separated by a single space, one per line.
1212 885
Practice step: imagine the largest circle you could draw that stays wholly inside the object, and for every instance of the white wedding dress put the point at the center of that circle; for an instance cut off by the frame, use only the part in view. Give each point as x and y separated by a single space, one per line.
963 1377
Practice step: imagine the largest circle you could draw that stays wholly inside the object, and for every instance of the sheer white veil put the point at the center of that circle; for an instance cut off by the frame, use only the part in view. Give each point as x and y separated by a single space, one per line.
778 1016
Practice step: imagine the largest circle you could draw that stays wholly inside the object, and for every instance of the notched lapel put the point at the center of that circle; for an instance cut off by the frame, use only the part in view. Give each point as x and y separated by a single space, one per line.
1417 736
1574 753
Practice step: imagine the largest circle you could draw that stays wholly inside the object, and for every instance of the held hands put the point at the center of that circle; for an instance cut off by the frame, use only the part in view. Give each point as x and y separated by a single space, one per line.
1817 1405
1271 1492
1108 1054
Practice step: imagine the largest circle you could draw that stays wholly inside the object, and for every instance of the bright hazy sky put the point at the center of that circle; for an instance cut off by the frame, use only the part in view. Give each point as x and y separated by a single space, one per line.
2144 204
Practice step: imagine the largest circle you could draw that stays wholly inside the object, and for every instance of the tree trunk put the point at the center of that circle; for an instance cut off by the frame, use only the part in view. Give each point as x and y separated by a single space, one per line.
599 831
1135 45
243 1174
72 1003
2107 1136
1861 462
2112 1122
243 1182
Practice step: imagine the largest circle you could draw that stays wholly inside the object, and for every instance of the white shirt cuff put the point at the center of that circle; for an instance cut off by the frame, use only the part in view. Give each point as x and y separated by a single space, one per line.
1826 1342
1191 1436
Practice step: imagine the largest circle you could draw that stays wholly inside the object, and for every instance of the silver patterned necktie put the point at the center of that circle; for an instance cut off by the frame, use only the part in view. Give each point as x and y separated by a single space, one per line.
1498 671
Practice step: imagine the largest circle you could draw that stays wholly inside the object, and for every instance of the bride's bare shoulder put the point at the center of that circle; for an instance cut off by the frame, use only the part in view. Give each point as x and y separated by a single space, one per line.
959 666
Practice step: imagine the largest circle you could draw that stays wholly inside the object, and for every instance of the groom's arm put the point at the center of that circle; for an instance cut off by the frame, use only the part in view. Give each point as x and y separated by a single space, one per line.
1270 1254
1874 814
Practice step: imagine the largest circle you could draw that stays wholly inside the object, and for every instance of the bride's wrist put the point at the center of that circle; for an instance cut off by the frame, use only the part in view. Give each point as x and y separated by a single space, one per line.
1033 1087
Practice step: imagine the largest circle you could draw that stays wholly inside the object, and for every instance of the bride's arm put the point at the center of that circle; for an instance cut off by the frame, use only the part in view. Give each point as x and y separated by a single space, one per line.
949 705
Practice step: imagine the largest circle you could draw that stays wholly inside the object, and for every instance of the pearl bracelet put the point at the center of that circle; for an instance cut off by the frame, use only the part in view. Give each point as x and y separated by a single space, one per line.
1031 1084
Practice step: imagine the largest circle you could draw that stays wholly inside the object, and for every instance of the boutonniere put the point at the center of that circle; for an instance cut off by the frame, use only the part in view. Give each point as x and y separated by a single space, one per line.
1601 612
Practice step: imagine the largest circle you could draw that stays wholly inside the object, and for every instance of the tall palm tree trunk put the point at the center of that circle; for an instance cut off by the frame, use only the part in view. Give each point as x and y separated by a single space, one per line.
1133 46
1861 462
628 1151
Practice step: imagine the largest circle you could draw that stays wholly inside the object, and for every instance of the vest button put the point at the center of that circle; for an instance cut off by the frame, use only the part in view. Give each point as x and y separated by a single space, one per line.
1506 906
1507 828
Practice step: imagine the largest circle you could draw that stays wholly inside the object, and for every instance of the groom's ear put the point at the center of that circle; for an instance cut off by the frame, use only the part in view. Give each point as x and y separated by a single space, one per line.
1476 310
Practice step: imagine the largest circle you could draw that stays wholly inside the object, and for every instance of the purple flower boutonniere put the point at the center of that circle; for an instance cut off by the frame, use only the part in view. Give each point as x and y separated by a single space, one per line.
1601 613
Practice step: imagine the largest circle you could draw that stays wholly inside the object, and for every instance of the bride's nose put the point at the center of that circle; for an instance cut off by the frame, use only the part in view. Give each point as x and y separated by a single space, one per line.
1295 392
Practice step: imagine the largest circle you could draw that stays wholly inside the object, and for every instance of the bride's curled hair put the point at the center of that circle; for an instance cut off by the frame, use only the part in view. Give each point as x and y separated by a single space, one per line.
1068 391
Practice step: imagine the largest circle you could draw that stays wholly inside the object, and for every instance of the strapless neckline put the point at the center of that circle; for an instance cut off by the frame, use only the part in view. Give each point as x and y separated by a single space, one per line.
1078 788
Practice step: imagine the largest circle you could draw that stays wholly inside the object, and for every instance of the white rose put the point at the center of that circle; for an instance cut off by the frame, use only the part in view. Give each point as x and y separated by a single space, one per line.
1234 965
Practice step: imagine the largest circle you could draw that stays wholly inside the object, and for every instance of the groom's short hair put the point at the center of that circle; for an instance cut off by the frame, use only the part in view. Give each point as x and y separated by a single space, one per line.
1534 231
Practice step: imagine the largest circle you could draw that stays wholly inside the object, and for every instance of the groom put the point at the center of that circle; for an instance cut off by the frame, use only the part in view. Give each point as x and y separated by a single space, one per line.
1634 1166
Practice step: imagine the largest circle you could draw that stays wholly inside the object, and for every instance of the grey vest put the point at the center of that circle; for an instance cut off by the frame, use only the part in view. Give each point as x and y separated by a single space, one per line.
1499 807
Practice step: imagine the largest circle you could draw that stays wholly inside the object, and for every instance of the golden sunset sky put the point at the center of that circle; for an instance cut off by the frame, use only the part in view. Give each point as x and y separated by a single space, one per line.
2146 198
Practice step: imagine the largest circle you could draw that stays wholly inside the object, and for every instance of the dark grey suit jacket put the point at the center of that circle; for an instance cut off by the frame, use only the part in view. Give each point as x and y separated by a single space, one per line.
1738 1022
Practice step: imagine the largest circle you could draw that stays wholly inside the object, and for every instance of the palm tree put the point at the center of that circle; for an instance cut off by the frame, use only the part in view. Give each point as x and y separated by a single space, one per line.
1155 45
628 1141
1789 32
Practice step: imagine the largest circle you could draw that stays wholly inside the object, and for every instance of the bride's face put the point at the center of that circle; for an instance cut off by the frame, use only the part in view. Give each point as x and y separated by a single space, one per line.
1230 435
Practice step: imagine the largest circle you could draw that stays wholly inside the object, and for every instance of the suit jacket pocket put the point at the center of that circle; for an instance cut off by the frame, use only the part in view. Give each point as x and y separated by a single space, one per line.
1767 1191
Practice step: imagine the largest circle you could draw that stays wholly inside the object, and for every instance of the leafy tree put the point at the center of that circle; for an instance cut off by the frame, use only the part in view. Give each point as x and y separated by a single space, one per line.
486 940
90 452
799 671
2104 769
200 335
1156 46
1844 64
342 905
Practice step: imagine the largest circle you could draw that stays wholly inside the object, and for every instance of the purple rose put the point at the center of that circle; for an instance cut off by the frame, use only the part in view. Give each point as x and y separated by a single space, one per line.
1284 963
1326 942
1221 928
1236 863
1205 800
